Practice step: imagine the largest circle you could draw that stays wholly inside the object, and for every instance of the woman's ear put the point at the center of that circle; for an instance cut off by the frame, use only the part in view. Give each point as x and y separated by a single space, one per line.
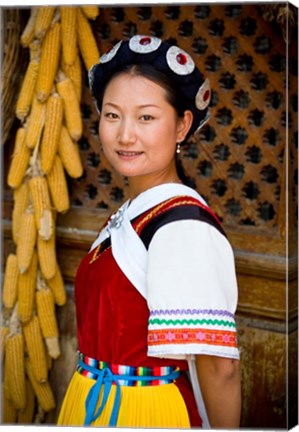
184 125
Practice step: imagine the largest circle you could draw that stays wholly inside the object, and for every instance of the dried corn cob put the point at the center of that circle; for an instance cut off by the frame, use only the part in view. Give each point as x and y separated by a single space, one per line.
27 35
74 72
46 251
15 368
6 384
27 240
19 161
36 122
86 41
9 411
26 93
21 201
48 323
56 285
72 113
43 20
36 349
40 195
26 416
68 151
46 313
26 290
48 63
51 134
10 284
42 391
3 334
90 11
58 186
68 33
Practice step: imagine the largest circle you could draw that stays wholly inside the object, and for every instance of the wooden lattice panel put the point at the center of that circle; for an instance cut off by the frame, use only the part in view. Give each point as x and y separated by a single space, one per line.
236 161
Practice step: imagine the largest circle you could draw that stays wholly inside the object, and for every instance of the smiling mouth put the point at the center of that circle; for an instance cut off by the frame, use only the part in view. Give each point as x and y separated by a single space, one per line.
128 153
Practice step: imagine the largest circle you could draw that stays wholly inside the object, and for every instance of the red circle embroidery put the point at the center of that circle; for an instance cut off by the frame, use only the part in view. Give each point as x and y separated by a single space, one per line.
206 95
181 59
145 41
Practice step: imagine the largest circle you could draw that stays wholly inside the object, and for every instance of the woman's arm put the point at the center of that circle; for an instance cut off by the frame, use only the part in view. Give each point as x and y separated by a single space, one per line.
219 380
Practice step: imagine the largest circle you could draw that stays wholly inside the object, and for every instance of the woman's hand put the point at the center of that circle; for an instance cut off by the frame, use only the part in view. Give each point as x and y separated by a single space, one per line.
219 380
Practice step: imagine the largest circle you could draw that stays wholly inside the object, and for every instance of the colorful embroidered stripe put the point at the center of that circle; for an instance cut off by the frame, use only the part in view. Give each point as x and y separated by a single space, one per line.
125 373
192 336
191 312
169 322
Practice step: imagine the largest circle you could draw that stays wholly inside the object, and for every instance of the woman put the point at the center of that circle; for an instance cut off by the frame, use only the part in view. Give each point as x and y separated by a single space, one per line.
158 287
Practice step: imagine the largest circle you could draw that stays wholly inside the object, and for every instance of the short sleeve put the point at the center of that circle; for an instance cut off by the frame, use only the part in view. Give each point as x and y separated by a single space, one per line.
191 292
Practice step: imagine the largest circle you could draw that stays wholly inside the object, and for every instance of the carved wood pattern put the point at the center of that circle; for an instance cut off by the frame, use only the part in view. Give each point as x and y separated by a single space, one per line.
236 161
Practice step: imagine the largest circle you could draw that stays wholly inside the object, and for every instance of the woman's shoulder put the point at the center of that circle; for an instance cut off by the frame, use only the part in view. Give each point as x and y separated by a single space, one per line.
175 209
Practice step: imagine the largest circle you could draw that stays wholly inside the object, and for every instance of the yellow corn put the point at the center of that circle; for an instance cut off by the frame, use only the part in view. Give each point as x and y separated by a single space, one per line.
43 20
86 41
48 62
21 201
74 72
6 384
72 112
90 11
10 283
26 291
51 134
15 368
46 313
40 196
27 240
26 416
36 122
27 35
20 160
46 250
42 391
47 319
68 151
9 412
26 93
3 334
36 349
68 34
57 287
58 186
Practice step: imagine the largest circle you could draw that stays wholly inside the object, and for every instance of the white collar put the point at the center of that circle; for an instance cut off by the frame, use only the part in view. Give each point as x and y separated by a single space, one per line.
127 247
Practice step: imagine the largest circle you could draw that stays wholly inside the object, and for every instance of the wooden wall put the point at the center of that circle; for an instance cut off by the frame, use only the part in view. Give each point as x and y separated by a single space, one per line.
244 162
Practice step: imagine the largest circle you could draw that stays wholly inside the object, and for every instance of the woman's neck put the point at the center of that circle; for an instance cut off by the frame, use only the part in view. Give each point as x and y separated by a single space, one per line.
137 185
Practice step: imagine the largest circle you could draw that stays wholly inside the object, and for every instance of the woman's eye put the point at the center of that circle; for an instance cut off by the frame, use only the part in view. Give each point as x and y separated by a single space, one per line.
111 115
146 117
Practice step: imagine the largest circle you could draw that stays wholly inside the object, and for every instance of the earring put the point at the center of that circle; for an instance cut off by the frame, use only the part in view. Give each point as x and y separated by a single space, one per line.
178 148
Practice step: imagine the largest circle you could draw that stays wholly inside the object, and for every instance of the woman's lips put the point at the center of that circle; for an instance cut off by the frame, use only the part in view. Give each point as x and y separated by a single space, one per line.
128 155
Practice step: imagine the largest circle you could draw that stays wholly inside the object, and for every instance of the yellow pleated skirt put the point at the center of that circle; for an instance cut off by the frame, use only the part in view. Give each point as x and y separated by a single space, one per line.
160 406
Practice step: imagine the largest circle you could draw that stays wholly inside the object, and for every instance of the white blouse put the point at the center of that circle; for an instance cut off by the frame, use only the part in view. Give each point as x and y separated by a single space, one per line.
191 292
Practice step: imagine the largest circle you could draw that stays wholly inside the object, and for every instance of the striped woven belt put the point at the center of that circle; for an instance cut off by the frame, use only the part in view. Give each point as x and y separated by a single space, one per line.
107 374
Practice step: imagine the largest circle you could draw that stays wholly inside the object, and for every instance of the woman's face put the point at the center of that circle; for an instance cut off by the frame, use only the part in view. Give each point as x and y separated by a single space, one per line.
139 129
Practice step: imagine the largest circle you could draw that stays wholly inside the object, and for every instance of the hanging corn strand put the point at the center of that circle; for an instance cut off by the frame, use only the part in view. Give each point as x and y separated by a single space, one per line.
59 40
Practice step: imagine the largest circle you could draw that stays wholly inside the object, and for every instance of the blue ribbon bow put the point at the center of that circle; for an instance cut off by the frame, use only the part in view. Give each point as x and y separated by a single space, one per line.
105 378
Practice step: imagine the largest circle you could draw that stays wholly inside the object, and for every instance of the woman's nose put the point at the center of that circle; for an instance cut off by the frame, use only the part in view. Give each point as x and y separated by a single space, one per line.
127 132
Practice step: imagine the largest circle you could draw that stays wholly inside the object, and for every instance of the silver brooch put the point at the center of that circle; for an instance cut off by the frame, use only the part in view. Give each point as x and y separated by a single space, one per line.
203 96
144 44
110 54
115 220
179 61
